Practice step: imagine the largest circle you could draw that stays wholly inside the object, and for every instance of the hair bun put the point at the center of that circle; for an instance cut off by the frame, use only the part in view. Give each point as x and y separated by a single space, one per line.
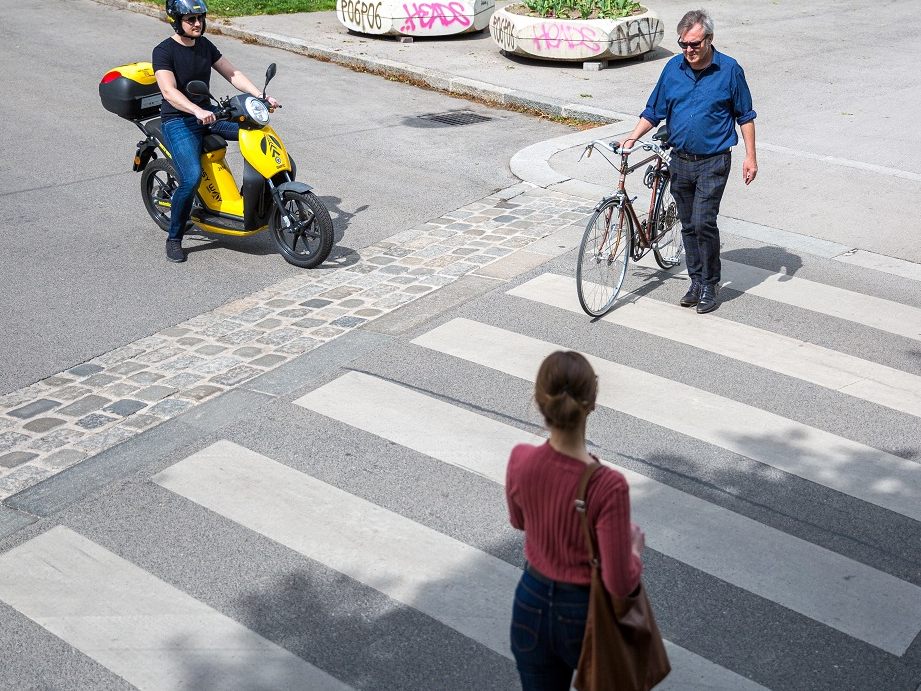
565 389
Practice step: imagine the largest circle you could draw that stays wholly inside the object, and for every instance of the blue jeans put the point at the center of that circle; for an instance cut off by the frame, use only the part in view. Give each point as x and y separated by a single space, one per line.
184 140
548 625
698 189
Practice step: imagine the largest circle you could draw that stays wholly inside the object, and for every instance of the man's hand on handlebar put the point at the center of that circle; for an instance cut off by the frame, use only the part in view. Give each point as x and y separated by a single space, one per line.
205 117
273 104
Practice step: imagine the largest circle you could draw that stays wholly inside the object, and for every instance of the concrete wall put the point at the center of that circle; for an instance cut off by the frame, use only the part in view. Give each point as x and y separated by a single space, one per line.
576 39
413 18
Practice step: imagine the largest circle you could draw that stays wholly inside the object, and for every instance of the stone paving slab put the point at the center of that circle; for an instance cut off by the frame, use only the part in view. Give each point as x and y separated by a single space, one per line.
66 418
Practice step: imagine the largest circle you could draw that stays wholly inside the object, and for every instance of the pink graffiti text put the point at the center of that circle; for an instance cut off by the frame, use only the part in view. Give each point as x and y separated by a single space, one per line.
556 35
425 16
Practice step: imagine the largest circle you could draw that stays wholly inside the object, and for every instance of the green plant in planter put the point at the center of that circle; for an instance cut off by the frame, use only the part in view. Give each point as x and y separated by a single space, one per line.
584 9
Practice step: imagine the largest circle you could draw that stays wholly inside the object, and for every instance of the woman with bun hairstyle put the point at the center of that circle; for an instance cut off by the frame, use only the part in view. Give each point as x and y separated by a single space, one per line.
551 601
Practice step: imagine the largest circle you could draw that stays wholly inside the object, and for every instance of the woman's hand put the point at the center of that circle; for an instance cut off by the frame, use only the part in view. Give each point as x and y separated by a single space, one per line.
637 539
273 104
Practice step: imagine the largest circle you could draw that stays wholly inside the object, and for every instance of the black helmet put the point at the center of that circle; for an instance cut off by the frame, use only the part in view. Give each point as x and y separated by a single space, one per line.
177 9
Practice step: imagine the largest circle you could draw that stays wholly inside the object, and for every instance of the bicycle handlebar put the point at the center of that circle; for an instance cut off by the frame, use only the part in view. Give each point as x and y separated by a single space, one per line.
615 148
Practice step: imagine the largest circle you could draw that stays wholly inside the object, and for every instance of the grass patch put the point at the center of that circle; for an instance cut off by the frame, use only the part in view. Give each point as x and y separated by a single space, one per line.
244 8
240 8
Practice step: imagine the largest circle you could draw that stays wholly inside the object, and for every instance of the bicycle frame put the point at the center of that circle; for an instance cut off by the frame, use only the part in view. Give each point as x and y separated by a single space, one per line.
642 232
641 229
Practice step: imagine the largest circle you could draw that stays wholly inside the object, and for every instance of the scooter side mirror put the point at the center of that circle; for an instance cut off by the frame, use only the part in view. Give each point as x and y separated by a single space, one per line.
198 88
269 73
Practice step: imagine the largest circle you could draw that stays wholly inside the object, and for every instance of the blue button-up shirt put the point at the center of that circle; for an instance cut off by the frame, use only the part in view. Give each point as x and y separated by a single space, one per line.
701 110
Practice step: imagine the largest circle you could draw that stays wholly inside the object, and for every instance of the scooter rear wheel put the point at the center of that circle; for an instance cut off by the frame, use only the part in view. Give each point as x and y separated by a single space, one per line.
158 182
303 236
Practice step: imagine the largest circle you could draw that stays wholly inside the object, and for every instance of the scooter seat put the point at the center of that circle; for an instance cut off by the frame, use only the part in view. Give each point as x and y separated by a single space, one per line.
211 142
154 127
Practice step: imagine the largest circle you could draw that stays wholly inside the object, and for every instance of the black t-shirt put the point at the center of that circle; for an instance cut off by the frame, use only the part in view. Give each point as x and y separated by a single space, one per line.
187 64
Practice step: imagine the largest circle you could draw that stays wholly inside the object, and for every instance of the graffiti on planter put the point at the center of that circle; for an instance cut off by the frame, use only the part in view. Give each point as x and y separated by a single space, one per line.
361 16
502 29
559 37
425 16
636 36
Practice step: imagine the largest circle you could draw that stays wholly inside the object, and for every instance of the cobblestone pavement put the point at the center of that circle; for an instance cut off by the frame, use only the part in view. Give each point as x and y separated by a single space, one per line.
73 415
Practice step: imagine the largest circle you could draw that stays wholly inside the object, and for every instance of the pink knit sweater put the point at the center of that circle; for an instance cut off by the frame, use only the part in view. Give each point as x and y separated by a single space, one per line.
541 486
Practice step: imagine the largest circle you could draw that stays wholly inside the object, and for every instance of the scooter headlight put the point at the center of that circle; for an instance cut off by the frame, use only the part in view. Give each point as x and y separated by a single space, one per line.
257 110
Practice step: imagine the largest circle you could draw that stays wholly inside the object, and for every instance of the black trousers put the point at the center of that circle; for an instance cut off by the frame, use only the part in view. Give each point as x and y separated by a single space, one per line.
698 190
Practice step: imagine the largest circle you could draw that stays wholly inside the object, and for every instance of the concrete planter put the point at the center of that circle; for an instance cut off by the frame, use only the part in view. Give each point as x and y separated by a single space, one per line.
576 39
409 18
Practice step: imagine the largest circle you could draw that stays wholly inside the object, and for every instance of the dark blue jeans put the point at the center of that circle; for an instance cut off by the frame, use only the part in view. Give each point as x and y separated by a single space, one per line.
184 140
547 629
698 189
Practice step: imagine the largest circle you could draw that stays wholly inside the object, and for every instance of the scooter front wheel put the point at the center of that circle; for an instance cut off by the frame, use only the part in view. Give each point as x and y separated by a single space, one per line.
304 233
158 182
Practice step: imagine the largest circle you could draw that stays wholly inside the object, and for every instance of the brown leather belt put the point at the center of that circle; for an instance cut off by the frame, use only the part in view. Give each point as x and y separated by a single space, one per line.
684 156
559 585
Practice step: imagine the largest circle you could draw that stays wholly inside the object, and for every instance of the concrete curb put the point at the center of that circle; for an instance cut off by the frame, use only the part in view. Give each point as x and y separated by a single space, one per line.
434 79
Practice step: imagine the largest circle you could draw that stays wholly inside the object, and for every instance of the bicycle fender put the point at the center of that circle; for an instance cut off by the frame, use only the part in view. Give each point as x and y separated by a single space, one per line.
605 200
294 186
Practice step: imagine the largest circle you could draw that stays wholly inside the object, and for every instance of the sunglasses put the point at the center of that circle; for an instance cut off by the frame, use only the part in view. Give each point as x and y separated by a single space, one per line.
194 19
693 45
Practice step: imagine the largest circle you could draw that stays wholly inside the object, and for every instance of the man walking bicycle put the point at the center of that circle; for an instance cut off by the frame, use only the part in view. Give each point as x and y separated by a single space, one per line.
702 95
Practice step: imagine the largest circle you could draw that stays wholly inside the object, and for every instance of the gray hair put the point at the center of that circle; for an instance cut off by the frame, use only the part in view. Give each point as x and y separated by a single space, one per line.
692 19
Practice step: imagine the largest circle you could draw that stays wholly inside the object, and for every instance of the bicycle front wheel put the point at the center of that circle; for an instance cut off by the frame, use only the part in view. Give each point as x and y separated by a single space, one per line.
603 257
667 245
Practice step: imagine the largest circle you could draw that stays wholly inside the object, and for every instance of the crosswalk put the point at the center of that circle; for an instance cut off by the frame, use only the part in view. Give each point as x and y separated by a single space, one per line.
804 538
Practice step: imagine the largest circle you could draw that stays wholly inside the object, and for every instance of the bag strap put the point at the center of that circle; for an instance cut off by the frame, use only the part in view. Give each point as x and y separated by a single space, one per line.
581 507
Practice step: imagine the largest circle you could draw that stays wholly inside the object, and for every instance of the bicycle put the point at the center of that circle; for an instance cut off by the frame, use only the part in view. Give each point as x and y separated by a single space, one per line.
615 235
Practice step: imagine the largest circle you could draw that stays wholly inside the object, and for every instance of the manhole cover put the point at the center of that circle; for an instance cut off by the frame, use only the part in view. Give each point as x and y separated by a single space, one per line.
456 118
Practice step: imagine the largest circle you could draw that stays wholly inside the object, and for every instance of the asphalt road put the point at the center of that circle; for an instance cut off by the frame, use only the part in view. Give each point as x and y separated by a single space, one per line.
83 267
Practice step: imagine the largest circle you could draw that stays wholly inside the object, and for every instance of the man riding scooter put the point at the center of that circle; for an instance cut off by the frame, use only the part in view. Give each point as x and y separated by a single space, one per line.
184 57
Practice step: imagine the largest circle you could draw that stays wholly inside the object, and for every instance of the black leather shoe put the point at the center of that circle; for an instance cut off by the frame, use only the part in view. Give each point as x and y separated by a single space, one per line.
174 251
692 296
707 301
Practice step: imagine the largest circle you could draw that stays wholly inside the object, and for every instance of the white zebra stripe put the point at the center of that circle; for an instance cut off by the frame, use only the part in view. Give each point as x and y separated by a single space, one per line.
790 289
878 313
144 630
446 579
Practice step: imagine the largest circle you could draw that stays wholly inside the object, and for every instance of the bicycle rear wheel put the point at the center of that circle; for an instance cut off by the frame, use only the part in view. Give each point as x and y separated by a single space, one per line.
603 257
668 245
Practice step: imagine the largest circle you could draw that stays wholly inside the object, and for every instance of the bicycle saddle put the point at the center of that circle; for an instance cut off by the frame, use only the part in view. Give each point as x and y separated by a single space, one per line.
661 136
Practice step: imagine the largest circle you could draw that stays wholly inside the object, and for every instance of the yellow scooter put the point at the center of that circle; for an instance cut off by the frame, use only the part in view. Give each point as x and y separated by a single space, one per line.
269 197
